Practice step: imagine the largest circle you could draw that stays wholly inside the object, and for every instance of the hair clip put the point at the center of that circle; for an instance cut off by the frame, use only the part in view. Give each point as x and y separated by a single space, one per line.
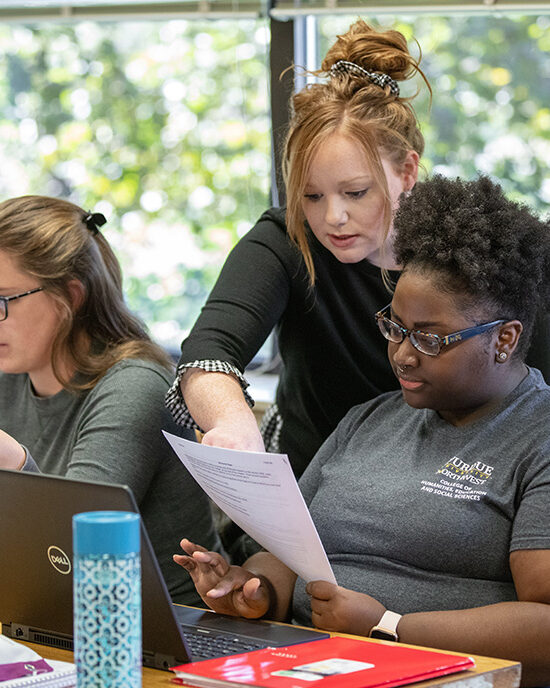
94 221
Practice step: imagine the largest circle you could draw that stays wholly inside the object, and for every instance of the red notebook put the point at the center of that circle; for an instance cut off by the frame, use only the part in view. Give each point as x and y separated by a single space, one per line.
329 663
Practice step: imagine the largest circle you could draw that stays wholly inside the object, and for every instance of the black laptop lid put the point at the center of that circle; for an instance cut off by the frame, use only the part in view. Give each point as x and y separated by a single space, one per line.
36 595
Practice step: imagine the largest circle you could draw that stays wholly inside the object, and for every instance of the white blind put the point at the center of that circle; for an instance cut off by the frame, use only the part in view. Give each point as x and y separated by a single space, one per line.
294 8
31 10
75 10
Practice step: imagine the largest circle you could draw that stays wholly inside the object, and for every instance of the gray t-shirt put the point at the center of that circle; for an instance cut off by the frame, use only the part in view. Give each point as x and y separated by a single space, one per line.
423 515
112 434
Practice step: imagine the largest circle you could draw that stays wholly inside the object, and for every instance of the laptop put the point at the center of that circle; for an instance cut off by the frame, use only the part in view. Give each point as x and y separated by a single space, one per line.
36 594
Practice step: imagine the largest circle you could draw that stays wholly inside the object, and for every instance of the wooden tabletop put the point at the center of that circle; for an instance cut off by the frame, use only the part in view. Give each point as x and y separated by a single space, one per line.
489 672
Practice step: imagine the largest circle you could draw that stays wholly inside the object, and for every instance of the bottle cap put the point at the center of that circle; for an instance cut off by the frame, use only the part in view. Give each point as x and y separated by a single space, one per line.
106 532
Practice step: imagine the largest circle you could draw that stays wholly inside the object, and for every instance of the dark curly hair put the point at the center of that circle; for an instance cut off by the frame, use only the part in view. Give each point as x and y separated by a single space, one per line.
493 253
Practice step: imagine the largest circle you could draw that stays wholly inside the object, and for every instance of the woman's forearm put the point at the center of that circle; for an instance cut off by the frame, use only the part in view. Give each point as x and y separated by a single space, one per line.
217 404
510 630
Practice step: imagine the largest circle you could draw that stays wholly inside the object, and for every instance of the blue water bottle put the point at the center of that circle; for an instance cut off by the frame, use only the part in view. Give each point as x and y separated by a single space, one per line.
107 599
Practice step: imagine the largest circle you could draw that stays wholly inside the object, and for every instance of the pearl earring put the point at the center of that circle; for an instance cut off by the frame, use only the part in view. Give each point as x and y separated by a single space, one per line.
502 356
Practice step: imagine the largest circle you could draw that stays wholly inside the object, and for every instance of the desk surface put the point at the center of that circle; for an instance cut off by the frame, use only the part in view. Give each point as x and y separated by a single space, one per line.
489 673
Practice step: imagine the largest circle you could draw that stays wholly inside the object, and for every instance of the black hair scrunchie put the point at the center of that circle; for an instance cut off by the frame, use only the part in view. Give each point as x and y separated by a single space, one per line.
94 221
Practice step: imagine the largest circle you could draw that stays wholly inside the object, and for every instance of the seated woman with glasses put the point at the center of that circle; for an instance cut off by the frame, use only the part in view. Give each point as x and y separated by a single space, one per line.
434 501
81 383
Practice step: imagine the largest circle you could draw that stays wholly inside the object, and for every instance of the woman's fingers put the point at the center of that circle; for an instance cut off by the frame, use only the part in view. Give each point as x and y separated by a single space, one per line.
214 560
252 600
252 590
198 558
190 547
321 590
233 579
207 569
243 435
188 563
319 606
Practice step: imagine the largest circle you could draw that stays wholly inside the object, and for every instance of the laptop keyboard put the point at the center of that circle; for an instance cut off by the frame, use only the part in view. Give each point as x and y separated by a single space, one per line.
210 644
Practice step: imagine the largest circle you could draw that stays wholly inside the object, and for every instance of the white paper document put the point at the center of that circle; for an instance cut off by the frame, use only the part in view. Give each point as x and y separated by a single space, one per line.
260 493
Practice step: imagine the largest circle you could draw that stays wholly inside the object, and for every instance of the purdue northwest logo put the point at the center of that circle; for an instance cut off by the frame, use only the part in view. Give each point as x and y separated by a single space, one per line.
474 473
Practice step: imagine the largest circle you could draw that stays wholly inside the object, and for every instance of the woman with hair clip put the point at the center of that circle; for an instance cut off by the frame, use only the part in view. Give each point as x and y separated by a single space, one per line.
81 383
433 502
316 270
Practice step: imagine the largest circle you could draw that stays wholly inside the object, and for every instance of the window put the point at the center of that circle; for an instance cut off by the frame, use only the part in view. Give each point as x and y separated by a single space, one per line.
162 126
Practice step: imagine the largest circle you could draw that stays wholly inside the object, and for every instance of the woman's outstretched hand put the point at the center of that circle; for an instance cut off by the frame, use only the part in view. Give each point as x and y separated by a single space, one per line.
224 588
217 404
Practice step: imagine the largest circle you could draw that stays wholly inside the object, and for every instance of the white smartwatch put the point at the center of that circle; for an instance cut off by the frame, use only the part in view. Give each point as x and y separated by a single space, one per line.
386 628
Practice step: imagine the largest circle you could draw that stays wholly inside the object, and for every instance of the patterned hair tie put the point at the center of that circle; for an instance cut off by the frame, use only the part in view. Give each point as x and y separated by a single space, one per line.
94 221
378 78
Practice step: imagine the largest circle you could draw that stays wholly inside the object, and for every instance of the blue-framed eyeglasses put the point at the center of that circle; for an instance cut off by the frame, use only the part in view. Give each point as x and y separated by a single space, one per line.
5 299
425 342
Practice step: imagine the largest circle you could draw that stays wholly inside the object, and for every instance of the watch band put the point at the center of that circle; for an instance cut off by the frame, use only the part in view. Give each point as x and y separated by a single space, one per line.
386 628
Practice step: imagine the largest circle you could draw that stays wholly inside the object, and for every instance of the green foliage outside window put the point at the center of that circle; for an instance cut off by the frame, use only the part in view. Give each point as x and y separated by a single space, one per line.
164 127
490 111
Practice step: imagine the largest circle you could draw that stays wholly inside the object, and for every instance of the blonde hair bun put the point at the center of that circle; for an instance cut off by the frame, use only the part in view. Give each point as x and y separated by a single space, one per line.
375 51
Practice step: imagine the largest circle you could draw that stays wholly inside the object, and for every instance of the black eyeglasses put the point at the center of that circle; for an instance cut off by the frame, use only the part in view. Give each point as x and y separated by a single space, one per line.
4 301
425 342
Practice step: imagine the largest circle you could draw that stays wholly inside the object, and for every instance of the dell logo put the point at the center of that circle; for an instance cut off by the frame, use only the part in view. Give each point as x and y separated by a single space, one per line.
59 560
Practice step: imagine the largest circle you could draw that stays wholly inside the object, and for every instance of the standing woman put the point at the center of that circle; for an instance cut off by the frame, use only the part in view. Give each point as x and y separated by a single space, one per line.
313 271
81 382
317 271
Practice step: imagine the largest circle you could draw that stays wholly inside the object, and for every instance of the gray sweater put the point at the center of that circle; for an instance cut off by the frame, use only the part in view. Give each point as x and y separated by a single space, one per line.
112 434
423 515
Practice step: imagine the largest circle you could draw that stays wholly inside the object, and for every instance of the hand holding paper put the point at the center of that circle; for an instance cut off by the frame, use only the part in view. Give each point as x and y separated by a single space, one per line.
259 492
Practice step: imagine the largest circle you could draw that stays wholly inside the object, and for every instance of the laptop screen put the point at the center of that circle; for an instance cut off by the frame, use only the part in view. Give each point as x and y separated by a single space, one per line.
36 594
